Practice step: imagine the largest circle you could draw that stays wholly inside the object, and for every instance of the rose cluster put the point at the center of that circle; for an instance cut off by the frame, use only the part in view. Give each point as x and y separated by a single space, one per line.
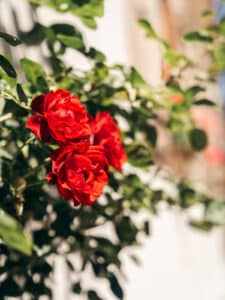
87 145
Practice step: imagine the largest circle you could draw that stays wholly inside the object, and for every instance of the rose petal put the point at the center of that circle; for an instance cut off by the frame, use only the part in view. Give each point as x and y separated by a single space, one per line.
37 104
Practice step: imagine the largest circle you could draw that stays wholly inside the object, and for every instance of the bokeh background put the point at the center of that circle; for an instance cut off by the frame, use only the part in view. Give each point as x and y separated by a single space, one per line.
177 262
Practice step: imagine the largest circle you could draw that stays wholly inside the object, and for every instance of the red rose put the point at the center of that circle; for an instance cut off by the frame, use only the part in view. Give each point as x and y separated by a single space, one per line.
107 134
80 172
60 116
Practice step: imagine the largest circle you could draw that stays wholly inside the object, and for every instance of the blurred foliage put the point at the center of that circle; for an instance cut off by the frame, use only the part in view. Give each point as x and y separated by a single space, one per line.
28 202
85 10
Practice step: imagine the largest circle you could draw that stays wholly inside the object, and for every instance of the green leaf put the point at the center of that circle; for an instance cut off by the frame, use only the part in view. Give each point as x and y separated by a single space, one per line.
89 22
35 74
222 27
21 94
77 288
204 102
194 90
191 93
136 79
126 230
147 227
85 10
187 196
35 36
92 295
196 36
218 53
198 139
89 8
139 155
174 87
202 225
7 67
71 41
96 55
12 234
115 286
208 14
151 134
65 29
12 40
150 32
215 213
173 58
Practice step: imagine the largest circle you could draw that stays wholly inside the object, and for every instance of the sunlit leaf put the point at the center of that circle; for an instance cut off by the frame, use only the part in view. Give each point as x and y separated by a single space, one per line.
71 41
12 234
